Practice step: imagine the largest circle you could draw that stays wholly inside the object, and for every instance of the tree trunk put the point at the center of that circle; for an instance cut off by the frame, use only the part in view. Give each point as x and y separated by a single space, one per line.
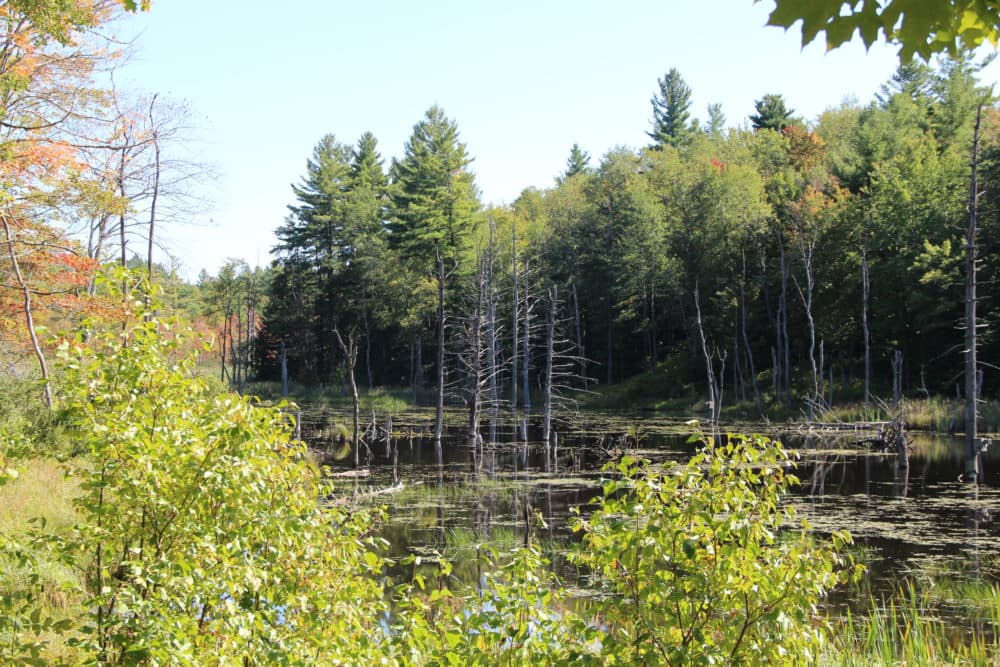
865 286
29 318
526 349
284 370
439 401
748 352
156 192
350 350
786 362
579 337
972 472
709 371
515 331
549 352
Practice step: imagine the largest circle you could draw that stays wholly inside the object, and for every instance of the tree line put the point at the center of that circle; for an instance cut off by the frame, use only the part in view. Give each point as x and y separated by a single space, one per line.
777 262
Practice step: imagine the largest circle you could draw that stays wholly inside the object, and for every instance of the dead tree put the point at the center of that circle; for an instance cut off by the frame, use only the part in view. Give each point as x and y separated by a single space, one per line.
744 330
865 288
562 358
709 365
972 472
350 351
477 333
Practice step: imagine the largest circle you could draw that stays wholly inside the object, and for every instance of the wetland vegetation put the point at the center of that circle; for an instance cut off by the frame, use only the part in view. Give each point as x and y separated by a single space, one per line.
491 455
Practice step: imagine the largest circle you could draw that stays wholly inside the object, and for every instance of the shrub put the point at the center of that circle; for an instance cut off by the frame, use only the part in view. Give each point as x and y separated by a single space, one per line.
203 538
697 566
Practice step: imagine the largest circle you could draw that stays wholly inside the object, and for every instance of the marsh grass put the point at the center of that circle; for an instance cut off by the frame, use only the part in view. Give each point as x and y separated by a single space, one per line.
384 400
906 630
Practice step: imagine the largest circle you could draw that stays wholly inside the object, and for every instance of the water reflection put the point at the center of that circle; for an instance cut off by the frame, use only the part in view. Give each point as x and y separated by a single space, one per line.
454 497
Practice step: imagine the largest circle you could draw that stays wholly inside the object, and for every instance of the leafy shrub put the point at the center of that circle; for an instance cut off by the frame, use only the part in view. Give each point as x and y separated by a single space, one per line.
203 538
696 564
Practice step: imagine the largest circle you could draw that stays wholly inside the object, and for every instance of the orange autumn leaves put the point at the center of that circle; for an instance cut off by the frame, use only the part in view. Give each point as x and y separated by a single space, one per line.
50 52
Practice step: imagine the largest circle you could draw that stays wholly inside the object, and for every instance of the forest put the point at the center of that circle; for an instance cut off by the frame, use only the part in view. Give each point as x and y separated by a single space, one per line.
185 478
793 260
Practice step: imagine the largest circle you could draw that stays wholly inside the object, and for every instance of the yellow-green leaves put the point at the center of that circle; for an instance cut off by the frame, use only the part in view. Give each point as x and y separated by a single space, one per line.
920 27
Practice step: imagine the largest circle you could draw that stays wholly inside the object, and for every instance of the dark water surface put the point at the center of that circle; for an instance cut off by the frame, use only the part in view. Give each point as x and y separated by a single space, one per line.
450 499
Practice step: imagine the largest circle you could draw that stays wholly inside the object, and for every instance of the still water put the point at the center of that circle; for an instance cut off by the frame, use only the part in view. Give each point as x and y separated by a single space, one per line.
451 499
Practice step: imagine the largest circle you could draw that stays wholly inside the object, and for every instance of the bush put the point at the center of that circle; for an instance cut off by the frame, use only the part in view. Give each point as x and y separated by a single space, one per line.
203 539
696 568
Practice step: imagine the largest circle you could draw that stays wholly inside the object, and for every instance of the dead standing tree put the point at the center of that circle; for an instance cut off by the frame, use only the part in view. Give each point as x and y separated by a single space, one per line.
973 445
562 359
350 350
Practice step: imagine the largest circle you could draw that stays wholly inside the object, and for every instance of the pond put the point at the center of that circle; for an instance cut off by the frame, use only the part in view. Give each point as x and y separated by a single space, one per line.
450 500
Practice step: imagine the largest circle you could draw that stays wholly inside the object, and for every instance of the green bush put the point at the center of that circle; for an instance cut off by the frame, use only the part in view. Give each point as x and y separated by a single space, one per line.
696 567
203 539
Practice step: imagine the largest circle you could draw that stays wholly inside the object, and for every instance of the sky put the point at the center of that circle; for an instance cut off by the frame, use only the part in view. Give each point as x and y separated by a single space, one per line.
524 80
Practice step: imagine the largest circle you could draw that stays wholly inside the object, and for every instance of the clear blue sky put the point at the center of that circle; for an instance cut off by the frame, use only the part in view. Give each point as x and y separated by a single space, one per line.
524 80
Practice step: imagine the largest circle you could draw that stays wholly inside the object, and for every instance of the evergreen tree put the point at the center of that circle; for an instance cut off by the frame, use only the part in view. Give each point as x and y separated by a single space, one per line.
434 196
435 202
671 115
716 124
578 161
772 114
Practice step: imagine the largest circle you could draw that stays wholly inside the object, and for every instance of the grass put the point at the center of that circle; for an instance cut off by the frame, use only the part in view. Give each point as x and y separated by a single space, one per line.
907 631
385 401
41 500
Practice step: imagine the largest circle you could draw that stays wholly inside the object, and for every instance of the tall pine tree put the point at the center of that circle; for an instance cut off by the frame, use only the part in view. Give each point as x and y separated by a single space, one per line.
434 212
671 111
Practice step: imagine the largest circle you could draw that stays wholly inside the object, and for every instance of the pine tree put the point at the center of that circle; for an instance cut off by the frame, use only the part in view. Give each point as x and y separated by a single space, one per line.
435 202
578 162
716 124
772 114
434 196
671 115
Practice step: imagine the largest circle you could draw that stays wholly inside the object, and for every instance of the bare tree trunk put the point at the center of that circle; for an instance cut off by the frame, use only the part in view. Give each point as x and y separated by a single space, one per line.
475 365
746 335
515 331
350 351
865 287
439 402
785 350
652 322
491 322
709 371
368 347
972 471
526 348
284 370
549 353
29 318
806 250
579 336
156 191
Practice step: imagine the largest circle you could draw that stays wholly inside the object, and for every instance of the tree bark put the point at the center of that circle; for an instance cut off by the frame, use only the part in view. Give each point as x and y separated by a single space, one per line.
972 472
865 287
515 331
439 401
579 337
350 351
748 351
549 353
156 192
29 318
709 370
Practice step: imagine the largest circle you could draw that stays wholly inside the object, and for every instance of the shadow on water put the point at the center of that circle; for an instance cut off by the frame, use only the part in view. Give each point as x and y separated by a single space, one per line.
451 498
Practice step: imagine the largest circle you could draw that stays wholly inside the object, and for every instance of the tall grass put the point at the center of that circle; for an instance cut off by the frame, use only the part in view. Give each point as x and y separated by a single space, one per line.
909 629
